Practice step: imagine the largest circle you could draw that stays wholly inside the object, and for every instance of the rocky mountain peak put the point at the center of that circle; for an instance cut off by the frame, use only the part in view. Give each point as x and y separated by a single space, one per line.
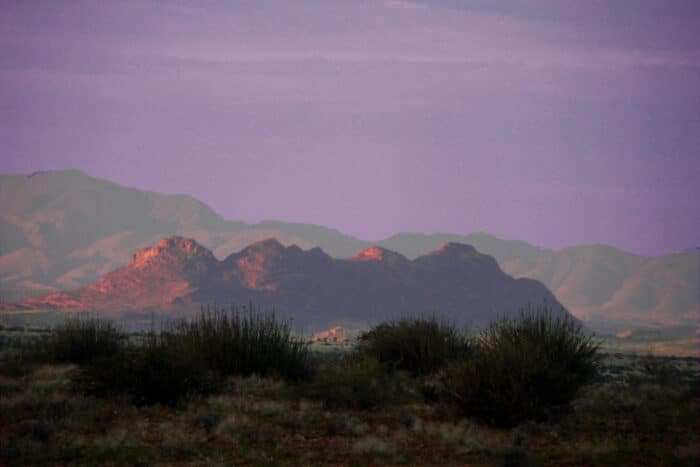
269 246
173 248
451 248
253 263
377 253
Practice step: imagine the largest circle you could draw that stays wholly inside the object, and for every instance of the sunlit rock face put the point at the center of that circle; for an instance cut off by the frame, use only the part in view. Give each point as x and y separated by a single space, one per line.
335 335
316 291
177 253
375 253
162 275
256 261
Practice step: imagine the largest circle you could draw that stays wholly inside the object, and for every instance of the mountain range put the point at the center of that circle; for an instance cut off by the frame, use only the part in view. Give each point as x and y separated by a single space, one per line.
65 230
455 281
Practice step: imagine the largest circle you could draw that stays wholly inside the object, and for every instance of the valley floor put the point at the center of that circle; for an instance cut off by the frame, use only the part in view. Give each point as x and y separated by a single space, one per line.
256 421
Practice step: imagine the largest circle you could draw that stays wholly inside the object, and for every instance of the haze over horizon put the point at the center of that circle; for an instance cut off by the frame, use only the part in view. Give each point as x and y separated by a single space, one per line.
554 122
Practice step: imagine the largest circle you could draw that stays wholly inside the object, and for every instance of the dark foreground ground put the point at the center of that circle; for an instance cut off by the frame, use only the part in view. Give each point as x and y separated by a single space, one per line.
641 411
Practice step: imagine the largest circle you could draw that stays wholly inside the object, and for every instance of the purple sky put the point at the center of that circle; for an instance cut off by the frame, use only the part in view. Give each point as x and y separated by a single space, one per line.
557 122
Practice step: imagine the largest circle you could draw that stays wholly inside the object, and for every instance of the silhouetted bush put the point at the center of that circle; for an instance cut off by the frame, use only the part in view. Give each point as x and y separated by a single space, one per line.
358 382
244 343
79 340
417 345
16 362
154 371
522 368
191 357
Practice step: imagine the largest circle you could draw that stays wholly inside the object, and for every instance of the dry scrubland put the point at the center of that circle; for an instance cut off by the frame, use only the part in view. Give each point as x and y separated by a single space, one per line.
237 388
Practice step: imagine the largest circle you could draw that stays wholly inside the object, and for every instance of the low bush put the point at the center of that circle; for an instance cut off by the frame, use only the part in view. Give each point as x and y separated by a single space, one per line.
358 382
417 345
659 370
522 368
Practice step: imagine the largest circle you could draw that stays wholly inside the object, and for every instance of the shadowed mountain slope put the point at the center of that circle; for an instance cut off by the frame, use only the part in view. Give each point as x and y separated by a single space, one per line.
314 289
612 287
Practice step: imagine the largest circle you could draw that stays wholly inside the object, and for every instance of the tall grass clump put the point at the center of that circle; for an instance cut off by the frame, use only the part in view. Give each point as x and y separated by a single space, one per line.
192 357
81 339
242 343
418 345
522 368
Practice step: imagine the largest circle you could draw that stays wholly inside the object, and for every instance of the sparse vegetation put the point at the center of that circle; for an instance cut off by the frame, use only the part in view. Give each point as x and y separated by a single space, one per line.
358 382
78 339
188 358
162 399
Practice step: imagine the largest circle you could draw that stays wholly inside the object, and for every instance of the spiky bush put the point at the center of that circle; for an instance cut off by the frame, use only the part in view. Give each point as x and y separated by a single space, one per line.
152 372
79 340
242 343
191 357
521 368
418 345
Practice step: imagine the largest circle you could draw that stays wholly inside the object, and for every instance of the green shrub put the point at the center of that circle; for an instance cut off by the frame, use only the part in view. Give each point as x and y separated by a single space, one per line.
242 343
358 382
522 368
153 372
81 339
417 345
